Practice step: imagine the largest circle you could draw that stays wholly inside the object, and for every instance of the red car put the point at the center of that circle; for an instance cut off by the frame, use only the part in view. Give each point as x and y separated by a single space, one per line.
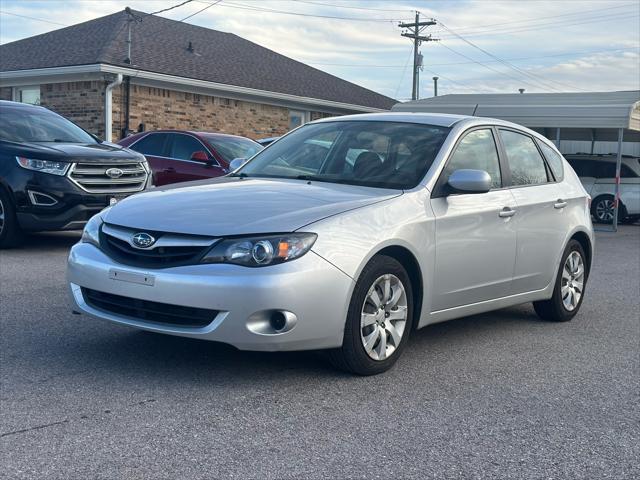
181 156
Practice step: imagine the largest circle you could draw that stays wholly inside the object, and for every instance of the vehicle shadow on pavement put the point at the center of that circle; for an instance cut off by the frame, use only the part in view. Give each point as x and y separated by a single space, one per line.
176 360
37 241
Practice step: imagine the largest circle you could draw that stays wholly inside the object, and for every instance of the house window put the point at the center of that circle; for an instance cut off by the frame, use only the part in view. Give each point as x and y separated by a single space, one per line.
297 118
28 95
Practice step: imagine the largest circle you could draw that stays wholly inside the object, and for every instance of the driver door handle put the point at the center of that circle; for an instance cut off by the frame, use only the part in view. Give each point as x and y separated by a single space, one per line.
559 204
506 212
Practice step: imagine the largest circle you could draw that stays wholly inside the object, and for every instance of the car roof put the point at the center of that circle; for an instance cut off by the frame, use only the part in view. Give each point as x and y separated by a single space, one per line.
436 119
599 157
193 132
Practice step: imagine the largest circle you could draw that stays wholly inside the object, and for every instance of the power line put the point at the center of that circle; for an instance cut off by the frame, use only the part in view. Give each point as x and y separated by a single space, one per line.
351 7
299 14
33 18
528 20
539 79
170 8
404 70
200 11
544 26
488 61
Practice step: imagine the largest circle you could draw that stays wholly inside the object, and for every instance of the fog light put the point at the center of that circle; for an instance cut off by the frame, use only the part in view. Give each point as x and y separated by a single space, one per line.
41 199
278 320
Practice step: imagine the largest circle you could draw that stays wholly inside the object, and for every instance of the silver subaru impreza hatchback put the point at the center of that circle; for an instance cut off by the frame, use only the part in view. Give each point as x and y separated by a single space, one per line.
346 235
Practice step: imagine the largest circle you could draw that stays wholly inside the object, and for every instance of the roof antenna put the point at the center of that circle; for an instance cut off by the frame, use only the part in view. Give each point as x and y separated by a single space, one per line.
131 17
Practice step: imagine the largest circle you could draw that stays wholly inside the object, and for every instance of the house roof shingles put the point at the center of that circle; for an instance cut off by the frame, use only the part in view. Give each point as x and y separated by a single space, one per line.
160 45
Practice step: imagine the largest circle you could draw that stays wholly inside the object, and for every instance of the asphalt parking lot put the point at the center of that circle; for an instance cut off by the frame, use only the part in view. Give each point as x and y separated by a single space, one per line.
496 395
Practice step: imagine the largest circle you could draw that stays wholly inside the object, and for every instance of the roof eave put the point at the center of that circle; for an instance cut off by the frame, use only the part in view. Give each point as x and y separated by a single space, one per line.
60 73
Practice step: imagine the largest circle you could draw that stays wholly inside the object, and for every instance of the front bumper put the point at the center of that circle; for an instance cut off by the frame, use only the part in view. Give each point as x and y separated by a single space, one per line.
315 291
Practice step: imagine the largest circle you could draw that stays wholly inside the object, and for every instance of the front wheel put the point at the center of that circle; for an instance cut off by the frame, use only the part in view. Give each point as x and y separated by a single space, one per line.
10 233
379 319
568 292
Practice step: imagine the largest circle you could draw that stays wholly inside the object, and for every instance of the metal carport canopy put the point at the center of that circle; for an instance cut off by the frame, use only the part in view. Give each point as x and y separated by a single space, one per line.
597 112
541 110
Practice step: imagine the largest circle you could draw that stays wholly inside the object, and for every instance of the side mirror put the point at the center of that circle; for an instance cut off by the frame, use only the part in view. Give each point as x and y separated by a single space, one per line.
200 156
236 163
470 181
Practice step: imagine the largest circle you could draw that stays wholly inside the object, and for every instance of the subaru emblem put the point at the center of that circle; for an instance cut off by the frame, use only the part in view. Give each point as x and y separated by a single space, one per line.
143 240
114 173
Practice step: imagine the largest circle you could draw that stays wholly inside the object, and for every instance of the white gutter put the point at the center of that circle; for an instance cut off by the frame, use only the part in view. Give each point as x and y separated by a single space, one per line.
108 112
9 78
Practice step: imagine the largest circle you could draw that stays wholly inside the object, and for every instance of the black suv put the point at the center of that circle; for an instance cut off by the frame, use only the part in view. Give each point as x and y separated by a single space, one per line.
54 175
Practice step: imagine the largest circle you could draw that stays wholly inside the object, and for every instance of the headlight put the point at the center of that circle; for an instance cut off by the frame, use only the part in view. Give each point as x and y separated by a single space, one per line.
44 166
91 232
261 251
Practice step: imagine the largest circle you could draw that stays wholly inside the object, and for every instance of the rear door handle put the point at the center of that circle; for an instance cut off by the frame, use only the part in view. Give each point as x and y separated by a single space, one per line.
506 212
559 204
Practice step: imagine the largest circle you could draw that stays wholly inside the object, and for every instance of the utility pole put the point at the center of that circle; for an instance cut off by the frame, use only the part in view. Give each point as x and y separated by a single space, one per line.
415 29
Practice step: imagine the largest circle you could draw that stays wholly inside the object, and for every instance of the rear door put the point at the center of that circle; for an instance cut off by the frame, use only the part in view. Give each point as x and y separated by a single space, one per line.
540 218
182 168
475 235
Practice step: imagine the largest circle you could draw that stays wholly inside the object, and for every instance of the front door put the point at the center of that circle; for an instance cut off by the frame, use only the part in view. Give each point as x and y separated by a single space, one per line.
475 235
183 167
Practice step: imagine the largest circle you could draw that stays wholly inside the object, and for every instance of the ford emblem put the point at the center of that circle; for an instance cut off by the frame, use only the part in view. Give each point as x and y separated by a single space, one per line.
114 173
143 240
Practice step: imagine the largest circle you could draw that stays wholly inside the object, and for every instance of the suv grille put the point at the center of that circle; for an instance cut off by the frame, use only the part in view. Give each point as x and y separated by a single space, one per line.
153 312
169 250
93 177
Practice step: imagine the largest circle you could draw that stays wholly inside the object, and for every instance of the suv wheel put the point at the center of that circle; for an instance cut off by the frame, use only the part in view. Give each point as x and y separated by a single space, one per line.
602 208
10 233
379 319
568 292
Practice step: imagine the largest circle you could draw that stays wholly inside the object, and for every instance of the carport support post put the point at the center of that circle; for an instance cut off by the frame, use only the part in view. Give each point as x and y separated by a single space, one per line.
558 138
617 189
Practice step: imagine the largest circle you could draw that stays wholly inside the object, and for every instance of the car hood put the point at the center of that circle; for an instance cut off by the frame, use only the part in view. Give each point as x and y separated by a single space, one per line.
85 152
235 206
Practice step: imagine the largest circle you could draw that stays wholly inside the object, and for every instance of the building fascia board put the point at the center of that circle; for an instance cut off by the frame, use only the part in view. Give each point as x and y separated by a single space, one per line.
93 71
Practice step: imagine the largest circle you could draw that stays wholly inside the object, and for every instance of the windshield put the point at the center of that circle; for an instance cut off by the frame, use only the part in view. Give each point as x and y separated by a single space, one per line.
376 154
233 147
27 125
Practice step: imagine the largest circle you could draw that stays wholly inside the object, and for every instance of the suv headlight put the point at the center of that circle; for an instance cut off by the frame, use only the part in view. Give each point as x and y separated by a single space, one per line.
44 166
261 251
91 232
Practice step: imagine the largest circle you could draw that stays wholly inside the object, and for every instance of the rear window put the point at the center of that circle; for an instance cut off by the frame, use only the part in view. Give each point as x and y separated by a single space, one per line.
151 144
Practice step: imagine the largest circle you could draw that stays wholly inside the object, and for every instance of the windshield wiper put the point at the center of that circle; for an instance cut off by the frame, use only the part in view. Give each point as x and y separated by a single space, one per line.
239 175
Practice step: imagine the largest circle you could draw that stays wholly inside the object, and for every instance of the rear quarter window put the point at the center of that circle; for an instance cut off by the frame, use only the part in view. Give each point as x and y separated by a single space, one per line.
554 160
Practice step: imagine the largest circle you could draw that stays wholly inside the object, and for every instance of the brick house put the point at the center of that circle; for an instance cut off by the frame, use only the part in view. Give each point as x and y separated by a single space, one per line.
178 76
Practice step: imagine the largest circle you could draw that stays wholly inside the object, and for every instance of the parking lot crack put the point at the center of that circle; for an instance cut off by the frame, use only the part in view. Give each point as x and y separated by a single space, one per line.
37 427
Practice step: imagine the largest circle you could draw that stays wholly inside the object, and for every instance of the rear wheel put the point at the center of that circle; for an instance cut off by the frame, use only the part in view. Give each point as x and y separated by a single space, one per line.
568 292
10 233
379 319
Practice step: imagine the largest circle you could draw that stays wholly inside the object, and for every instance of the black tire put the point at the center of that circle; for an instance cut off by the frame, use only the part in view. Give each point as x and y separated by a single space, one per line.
10 233
554 309
603 204
352 356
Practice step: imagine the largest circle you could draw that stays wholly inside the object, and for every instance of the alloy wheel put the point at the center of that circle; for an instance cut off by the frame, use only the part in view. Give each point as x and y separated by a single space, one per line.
605 210
1 216
383 317
572 285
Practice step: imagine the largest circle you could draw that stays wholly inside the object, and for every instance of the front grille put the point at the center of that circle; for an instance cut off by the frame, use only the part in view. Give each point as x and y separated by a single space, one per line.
151 312
170 250
93 178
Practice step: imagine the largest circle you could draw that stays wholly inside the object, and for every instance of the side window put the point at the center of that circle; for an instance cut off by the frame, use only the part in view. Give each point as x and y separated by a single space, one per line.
554 159
183 146
526 163
477 150
626 172
605 170
152 144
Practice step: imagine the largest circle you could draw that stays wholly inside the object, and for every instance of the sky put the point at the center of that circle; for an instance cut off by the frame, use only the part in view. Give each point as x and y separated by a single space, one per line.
484 46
